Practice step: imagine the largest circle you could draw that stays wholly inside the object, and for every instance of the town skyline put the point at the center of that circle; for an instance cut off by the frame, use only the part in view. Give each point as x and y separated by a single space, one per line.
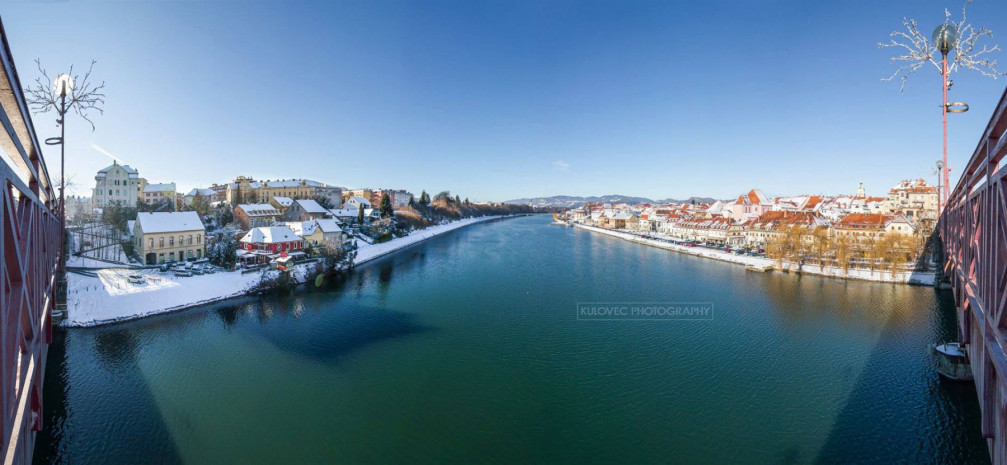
503 101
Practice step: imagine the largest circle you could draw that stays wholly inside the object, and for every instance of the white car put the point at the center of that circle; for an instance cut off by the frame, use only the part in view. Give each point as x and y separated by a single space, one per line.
136 279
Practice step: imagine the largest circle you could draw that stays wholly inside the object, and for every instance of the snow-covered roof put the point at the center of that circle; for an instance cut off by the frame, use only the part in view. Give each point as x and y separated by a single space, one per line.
359 200
344 212
284 201
126 168
166 187
259 209
203 192
161 222
302 228
290 183
329 225
310 206
270 235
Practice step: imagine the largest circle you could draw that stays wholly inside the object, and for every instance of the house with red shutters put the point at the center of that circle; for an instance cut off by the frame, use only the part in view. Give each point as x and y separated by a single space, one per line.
264 244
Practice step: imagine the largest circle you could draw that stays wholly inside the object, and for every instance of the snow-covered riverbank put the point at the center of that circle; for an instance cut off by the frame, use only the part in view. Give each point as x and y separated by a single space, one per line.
906 277
368 252
109 297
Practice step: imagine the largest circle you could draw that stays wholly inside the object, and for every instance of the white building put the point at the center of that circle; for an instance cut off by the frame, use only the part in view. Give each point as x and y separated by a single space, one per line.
116 183
354 203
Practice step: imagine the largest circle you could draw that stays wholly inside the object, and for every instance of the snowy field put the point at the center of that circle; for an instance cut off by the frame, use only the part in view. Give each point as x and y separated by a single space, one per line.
910 277
110 297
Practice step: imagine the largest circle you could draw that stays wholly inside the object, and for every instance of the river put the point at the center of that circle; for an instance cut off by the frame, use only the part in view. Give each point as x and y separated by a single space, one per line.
467 348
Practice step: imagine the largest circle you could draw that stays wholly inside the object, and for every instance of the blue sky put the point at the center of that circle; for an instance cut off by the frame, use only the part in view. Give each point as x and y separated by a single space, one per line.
498 100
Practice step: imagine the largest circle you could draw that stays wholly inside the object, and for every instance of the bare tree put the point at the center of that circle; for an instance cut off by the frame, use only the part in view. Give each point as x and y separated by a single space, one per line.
84 97
972 52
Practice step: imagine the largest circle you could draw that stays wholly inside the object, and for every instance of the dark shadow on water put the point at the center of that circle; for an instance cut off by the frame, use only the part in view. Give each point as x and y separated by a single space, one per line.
97 407
116 348
872 427
337 332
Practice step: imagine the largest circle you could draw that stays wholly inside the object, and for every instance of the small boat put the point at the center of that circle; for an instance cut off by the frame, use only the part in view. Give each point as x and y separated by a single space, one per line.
759 268
953 361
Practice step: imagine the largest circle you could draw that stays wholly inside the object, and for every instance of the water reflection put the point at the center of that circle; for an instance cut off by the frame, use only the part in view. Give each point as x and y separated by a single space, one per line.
228 315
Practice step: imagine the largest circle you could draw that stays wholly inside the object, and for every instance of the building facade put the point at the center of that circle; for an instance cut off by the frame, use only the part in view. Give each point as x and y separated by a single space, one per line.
248 190
155 194
168 236
304 210
916 199
255 215
116 183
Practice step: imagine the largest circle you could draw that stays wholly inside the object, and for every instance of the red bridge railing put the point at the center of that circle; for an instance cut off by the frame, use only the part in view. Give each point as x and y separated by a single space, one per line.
30 233
973 229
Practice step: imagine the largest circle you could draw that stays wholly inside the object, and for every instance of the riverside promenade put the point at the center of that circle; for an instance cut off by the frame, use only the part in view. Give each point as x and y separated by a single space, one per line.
901 277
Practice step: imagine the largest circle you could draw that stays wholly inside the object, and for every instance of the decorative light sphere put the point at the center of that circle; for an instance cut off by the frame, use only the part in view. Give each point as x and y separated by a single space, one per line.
63 84
945 38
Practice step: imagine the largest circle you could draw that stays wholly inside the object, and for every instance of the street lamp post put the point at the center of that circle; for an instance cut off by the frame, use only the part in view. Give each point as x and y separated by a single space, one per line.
946 39
63 86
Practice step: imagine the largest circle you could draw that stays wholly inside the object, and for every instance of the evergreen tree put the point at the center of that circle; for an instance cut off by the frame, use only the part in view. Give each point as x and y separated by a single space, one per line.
411 202
360 213
386 206
200 204
467 201
458 200
424 198
324 201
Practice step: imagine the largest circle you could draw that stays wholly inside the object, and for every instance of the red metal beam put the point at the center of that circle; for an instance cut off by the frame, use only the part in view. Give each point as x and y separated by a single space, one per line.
973 228
30 236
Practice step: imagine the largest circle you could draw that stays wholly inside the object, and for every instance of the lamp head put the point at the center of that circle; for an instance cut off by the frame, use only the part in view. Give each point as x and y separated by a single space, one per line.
945 38
63 84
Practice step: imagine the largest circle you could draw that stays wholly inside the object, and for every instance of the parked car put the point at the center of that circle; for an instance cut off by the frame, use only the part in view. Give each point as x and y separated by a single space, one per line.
136 279
164 268
182 273
197 270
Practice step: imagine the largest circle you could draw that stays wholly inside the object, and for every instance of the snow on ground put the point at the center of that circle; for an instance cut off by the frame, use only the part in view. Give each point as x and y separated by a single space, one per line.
367 252
87 262
110 297
911 277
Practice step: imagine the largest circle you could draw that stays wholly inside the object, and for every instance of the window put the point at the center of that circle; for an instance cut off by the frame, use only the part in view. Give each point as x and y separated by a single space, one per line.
150 243
161 243
110 192
190 239
171 242
199 238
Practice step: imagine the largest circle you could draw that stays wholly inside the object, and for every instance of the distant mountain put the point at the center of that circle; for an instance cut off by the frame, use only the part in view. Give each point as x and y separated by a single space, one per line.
688 200
569 201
